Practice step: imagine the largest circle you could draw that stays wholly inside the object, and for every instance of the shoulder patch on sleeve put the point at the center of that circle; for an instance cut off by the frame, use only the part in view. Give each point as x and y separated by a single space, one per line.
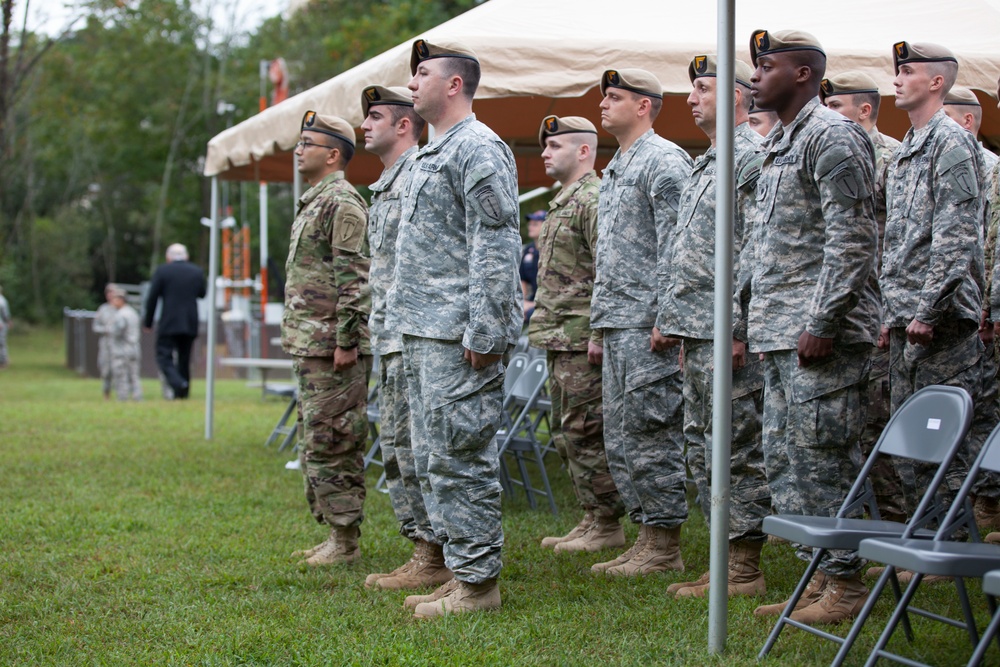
489 202
349 229
667 188
959 170
847 185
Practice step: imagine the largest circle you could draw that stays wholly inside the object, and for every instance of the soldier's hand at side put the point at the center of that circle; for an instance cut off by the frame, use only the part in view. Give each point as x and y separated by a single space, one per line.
481 361
660 343
919 333
147 329
595 353
813 348
986 330
344 359
739 354
883 338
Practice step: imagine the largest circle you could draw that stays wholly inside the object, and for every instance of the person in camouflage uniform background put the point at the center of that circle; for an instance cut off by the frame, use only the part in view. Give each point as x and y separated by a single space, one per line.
561 325
102 327
855 95
643 406
687 298
459 315
814 303
391 130
324 330
123 348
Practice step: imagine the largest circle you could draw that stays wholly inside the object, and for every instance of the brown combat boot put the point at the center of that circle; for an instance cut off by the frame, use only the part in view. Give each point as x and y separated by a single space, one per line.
405 567
444 589
812 593
987 511
992 538
905 576
580 529
306 553
745 577
661 552
342 547
426 568
601 534
700 581
640 542
464 598
842 599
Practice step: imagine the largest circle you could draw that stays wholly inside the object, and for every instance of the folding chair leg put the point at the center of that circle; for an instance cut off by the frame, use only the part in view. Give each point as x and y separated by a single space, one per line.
505 481
888 576
528 491
991 632
281 422
290 437
790 607
970 621
540 459
894 620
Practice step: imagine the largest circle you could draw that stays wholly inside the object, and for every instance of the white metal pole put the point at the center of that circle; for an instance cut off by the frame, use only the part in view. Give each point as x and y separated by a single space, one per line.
722 385
213 274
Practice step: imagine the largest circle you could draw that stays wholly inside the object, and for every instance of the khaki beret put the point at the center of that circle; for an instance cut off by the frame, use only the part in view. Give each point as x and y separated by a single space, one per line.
904 52
847 83
959 96
554 125
708 65
116 291
333 126
424 50
764 42
636 80
373 96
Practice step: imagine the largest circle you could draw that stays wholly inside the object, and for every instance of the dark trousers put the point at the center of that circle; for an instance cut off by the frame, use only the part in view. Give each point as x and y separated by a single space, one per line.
173 356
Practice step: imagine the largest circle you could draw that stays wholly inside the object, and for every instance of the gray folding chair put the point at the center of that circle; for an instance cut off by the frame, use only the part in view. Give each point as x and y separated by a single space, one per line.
929 427
941 556
290 392
374 453
519 438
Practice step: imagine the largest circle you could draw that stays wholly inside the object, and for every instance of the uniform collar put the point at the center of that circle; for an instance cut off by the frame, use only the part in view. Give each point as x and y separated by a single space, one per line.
389 174
315 190
436 144
914 140
568 191
780 138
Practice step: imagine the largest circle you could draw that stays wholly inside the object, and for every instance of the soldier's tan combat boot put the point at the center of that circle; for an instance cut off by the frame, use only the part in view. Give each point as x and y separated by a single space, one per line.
745 577
307 553
341 548
462 599
640 542
580 529
444 589
426 568
601 534
842 599
905 576
812 593
987 511
661 552
992 538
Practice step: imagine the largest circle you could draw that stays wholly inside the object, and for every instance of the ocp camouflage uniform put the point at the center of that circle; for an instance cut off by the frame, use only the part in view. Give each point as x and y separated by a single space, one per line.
326 306
102 327
124 353
687 311
561 325
394 406
643 404
814 268
456 287
933 270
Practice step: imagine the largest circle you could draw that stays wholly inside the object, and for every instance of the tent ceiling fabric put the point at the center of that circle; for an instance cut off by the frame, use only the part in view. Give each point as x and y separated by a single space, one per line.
546 57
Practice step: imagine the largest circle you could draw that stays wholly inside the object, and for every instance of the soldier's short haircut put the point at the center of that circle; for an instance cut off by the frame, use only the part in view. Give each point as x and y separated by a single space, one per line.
746 99
655 105
814 60
948 70
345 148
397 112
873 99
468 70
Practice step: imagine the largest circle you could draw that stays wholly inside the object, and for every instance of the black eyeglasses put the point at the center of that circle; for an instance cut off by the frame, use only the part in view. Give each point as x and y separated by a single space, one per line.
304 143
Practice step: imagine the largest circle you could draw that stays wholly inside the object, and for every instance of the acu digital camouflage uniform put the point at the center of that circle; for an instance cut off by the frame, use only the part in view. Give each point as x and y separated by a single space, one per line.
561 325
326 306
102 327
394 407
932 270
456 287
643 405
124 353
687 312
814 268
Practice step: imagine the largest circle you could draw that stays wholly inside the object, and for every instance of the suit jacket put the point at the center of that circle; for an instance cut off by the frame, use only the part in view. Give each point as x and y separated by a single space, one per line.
180 285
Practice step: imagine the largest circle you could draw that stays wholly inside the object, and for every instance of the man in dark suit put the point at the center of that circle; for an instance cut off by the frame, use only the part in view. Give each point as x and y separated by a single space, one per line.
180 284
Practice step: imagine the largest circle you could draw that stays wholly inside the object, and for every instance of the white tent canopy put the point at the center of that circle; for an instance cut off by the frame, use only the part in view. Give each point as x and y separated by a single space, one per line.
549 55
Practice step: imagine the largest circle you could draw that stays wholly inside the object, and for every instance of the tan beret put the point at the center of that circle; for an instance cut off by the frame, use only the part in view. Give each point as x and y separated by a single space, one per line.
373 96
904 52
116 291
424 50
636 80
764 42
708 65
554 125
333 126
847 83
959 96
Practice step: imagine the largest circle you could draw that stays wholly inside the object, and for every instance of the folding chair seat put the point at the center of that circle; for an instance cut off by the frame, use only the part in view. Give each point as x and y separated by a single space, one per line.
518 436
941 556
929 427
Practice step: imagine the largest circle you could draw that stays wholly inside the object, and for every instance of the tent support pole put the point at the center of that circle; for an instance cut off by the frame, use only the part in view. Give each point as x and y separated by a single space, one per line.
213 273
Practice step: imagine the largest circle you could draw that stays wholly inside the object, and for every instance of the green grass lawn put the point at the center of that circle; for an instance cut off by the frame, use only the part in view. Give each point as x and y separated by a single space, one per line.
127 538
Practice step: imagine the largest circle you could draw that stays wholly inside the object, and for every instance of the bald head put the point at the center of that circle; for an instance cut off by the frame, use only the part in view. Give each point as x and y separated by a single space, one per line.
177 253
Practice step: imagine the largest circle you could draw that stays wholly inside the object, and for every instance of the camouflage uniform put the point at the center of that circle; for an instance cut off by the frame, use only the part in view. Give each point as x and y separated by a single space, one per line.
932 269
124 353
561 325
643 405
456 287
394 407
814 267
325 308
102 327
687 296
